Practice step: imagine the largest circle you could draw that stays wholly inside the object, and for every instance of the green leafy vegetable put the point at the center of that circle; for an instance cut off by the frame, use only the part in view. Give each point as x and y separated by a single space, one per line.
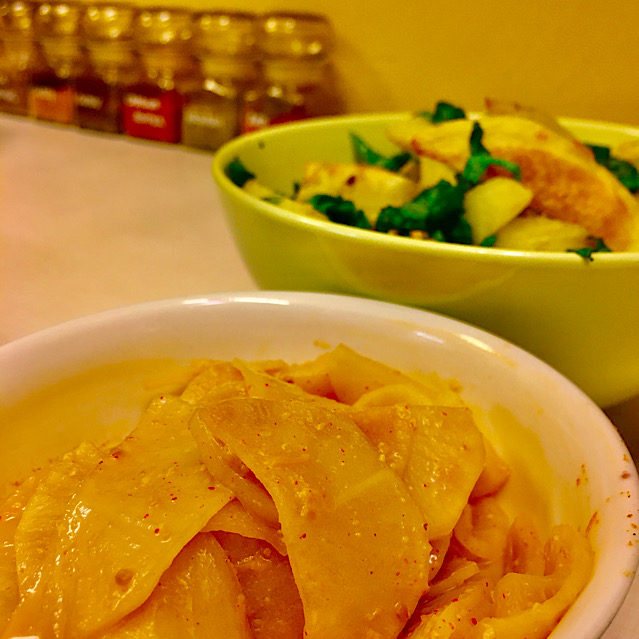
460 232
339 210
476 141
238 173
364 154
480 159
488 241
444 111
624 171
601 153
587 251
436 210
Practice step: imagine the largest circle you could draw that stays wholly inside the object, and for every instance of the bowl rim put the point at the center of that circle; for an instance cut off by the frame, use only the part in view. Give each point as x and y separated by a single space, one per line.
564 260
132 316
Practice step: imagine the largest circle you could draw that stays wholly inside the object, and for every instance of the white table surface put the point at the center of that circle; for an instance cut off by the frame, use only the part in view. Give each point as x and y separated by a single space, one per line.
90 222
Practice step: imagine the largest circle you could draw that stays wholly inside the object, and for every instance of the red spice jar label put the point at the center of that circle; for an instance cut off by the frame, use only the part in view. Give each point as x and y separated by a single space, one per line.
153 117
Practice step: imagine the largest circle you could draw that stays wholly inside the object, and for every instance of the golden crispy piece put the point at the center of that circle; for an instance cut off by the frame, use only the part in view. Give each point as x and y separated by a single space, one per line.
567 182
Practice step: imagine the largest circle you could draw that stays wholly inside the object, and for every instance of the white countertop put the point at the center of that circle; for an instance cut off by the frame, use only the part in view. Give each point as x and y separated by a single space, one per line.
90 222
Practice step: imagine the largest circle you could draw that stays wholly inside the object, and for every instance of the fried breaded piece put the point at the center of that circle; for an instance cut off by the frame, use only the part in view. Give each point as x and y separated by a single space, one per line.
567 182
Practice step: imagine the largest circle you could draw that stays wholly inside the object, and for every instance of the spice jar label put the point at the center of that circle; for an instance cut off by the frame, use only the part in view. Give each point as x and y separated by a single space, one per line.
153 117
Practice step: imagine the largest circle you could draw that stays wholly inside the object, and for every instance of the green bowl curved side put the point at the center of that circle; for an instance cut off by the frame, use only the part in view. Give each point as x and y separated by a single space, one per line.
581 317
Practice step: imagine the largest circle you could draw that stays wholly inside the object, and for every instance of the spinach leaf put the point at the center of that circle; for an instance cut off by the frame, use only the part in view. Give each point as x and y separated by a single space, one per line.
480 159
624 171
587 251
238 173
364 154
488 241
476 141
339 210
460 232
437 211
444 111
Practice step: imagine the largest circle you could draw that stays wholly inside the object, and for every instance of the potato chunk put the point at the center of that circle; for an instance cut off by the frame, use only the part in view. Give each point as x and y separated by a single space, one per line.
540 233
341 508
489 206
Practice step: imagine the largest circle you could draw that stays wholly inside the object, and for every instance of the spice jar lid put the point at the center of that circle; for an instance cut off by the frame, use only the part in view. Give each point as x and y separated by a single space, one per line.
225 33
58 19
296 35
164 26
109 21
17 17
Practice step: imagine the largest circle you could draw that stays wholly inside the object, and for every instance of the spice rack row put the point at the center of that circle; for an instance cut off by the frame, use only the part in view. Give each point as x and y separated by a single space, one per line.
164 74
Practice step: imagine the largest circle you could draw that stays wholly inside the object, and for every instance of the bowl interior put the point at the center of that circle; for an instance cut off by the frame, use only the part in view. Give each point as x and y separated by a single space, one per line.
89 379
277 156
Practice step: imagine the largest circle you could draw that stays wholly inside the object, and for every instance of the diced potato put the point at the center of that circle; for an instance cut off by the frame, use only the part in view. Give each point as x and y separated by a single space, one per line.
540 233
489 206
432 171
370 188
628 151
255 188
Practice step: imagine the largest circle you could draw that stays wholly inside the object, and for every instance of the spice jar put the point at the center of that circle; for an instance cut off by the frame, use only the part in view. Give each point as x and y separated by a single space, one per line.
298 79
108 38
20 56
52 94
152 107
224 46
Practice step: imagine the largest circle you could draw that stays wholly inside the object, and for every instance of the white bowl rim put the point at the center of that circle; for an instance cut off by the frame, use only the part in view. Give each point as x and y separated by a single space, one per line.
127 316
564 260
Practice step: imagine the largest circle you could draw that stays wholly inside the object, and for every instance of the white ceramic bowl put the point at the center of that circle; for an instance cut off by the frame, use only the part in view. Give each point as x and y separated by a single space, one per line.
85 379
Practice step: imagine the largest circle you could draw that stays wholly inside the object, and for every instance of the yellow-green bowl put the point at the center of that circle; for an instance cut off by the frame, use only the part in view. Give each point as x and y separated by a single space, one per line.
580 316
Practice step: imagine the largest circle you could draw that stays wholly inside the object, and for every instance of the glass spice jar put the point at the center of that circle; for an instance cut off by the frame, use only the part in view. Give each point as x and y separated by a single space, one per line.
224 46
298 78
108 31
152 107
20 56
52 94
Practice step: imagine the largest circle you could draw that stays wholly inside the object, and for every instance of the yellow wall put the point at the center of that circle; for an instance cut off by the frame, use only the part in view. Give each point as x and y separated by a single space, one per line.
575 58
